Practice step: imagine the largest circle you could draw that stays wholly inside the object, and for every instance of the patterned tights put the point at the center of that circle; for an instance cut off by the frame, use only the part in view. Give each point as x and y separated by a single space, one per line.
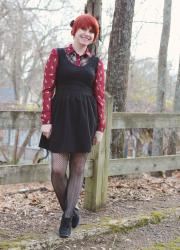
67 189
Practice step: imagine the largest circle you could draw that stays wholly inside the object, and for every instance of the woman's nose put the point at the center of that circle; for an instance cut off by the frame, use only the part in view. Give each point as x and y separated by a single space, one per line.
87 32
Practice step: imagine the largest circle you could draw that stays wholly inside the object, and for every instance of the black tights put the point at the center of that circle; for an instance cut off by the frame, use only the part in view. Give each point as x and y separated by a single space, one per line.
68 189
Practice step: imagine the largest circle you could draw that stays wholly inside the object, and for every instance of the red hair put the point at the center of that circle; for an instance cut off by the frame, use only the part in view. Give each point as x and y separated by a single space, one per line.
84 22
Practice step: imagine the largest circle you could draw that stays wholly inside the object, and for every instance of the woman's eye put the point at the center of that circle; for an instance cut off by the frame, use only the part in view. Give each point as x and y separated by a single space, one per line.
86 29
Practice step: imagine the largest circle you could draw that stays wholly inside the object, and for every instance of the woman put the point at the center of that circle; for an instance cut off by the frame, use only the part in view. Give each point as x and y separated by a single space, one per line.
73 114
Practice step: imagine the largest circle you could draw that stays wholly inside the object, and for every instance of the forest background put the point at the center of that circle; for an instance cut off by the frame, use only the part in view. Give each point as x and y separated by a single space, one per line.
30 29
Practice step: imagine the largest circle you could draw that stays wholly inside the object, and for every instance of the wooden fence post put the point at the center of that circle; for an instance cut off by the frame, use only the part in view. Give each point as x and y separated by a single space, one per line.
96 186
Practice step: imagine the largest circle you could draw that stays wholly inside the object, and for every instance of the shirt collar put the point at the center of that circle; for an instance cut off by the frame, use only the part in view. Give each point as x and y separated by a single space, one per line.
69 49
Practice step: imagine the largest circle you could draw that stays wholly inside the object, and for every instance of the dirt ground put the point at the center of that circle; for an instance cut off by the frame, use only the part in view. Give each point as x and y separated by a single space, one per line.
164 236
33 207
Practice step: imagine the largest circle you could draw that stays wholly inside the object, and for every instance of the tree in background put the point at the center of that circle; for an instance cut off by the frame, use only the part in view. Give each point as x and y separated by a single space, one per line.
94 7
142 83
162 71
173 137
118 64
25 41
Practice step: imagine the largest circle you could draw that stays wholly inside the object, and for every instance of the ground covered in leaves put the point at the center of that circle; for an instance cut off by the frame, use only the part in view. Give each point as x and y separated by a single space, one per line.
33 207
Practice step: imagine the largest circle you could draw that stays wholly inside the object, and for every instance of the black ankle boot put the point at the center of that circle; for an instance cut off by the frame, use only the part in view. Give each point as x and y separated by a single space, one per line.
65 227
75 218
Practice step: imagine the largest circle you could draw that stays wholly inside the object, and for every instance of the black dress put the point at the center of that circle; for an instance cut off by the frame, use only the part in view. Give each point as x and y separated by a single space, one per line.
74 116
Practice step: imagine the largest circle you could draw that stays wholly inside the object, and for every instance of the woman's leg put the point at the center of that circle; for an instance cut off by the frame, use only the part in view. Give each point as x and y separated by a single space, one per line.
76 166
59 162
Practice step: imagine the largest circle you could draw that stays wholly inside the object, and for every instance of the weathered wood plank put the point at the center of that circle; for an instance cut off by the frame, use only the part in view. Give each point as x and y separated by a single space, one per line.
12 174
107 141
145 120
143 164
19 119
96 186
25 119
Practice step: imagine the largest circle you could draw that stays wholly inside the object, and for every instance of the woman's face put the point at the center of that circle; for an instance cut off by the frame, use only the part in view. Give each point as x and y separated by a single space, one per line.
84 36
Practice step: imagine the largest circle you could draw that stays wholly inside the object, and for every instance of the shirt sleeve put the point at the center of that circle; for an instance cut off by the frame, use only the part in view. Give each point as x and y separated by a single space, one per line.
49 86
99 92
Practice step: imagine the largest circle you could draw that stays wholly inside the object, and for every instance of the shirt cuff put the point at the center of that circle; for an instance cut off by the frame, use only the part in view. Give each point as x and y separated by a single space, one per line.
45 127
99 135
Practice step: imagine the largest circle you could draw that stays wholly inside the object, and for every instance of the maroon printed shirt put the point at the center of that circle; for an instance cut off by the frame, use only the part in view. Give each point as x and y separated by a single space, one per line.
49 84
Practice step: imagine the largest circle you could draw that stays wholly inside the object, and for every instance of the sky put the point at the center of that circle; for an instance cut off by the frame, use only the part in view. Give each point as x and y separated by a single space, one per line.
149 37
145 36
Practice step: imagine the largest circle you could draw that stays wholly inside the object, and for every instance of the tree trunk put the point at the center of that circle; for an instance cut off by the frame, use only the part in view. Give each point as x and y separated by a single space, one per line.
24 144
118 65
94 7
173 136
162 67
15 149
17 57
177 92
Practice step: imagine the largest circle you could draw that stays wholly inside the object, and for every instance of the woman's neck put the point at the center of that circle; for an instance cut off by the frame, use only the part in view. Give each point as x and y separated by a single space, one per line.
80 49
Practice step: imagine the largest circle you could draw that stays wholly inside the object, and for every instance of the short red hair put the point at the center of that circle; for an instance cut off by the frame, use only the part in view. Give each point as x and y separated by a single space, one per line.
84 22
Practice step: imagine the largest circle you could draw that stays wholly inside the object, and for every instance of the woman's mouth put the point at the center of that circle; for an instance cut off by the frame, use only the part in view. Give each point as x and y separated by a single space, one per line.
84 37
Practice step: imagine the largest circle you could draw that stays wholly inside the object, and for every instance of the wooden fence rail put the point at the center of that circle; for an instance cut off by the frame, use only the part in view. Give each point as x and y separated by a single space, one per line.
145 120
98 166
11 174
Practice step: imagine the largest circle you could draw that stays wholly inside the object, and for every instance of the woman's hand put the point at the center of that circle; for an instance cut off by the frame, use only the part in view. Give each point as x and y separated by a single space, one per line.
98 137
94 140
46 130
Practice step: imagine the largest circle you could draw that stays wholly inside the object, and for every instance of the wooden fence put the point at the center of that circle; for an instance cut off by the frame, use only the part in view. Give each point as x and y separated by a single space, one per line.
98 166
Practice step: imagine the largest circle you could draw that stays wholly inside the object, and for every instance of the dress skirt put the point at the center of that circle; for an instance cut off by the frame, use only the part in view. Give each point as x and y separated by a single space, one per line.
74 120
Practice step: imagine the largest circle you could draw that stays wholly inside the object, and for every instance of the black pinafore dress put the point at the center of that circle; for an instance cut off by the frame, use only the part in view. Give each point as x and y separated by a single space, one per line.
74 115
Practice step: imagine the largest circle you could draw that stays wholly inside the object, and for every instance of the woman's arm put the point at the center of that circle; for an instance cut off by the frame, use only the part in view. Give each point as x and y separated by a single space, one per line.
48 91
48 86
99 92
